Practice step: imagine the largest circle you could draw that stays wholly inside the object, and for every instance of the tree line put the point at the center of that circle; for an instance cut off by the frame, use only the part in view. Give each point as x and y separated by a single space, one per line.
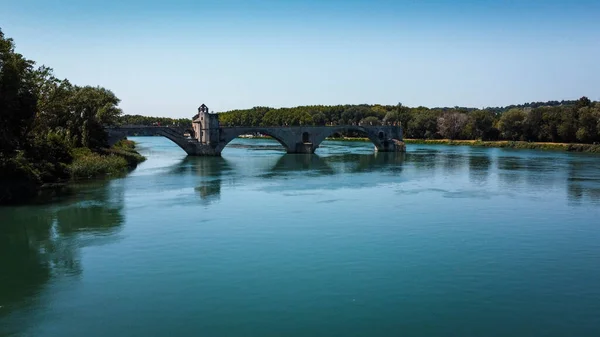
43 119
153 121
554 121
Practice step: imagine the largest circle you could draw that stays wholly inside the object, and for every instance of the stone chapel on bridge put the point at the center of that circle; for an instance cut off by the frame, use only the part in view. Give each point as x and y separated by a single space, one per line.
206 125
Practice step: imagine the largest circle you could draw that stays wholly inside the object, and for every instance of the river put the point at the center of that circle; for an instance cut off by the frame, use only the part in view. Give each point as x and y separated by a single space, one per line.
440 241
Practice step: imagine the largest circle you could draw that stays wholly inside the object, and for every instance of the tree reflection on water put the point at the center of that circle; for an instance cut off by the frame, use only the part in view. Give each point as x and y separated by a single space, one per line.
38 244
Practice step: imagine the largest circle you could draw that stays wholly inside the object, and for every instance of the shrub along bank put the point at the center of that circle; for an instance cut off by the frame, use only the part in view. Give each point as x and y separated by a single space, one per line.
113 161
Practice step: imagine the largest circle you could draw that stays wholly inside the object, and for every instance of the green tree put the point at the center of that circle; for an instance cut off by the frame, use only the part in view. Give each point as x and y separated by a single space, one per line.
91 109
480 123
304 119
567 129
319 118
272 118
551 120
583 102
589 119
355 114
391 118
378 111
400 115
27 159
511 124
54 96
18 102
371 120
532 125
41 119
423 125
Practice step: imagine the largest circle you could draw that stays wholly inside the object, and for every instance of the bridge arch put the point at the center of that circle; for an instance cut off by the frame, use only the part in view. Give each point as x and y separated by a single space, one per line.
176 135
380 137
229 134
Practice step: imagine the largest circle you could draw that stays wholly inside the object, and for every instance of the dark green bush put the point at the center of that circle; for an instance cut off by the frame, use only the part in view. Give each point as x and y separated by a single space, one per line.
18 179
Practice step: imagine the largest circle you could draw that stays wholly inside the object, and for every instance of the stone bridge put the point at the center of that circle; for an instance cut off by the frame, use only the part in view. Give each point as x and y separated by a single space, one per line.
295 139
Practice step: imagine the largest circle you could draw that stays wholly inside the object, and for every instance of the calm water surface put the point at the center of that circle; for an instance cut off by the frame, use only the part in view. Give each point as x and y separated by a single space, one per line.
441 241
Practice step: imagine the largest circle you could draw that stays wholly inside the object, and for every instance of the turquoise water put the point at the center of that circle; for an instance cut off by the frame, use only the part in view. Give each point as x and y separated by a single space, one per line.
440 241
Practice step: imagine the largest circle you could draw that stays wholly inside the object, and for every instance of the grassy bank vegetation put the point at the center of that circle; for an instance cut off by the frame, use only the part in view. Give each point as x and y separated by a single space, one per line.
574 147
113 161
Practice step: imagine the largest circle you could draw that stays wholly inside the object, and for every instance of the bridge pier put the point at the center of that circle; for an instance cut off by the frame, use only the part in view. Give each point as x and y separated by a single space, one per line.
304 148
197 149
391 145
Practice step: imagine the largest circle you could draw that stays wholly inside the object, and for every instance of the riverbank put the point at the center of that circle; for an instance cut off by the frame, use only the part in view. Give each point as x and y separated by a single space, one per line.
569 147
22 178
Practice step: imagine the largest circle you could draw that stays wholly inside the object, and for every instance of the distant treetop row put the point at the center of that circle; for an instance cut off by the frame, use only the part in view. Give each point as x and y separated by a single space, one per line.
555 121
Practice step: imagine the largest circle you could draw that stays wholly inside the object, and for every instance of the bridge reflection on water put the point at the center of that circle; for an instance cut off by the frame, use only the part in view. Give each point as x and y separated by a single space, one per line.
215 171
512 171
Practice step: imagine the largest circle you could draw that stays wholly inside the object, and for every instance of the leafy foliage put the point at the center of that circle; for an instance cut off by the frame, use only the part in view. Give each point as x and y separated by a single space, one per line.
17 97
42 120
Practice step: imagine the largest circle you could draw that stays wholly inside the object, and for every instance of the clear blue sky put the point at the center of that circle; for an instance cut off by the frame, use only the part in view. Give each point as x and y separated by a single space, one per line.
165 58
